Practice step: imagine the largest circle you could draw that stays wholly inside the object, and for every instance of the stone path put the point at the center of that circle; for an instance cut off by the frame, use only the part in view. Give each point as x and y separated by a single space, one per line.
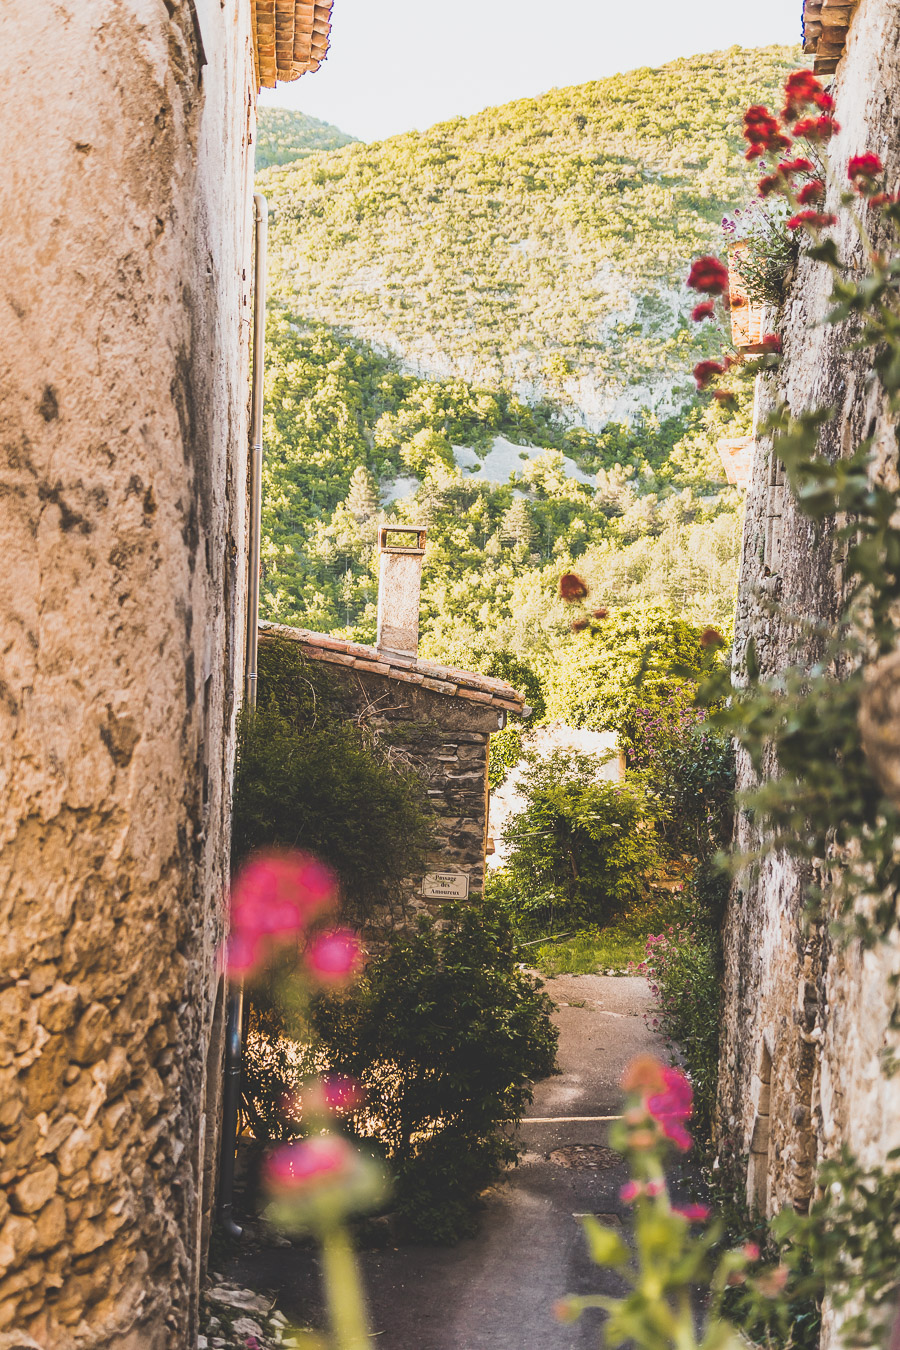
496 1291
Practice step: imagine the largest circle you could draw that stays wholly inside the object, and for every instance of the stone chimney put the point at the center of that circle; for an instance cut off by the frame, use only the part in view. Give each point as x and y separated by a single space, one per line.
401 549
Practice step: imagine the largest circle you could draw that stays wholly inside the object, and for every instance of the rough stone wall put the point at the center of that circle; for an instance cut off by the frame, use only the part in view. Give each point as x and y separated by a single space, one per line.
806 1019
126 225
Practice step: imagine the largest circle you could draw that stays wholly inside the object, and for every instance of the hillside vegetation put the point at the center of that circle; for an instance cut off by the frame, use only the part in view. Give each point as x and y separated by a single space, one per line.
284 136
512 280
542 244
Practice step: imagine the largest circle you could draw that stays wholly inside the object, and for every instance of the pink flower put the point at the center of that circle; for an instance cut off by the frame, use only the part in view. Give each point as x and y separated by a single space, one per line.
242 953
655 1187
751 1251
671 1107
308 1163
693 1213
630 1192
335 957
277 894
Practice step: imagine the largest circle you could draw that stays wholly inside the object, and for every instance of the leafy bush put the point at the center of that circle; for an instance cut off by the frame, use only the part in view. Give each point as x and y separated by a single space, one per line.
445 1033
582 849
687 767
683 966
602 679
308 779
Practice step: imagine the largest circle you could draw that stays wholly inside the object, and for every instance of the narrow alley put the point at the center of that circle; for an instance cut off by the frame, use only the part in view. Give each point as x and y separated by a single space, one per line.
496 1291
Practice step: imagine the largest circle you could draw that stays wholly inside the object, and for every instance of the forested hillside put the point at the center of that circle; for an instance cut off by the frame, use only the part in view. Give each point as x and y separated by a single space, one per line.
484 328
284 136
541 244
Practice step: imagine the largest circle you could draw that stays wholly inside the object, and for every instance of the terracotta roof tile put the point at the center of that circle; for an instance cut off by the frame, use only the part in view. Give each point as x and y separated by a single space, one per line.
825 27
290 38
465 684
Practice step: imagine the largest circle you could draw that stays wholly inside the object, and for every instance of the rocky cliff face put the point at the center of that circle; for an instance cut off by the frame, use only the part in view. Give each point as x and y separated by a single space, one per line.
808 1020
125 299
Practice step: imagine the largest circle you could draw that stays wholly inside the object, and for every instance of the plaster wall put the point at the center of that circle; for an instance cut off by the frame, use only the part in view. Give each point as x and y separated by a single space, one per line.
808 1020
125 215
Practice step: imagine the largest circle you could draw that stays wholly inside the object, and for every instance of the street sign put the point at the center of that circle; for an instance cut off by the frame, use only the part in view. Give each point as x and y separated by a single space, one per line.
445 886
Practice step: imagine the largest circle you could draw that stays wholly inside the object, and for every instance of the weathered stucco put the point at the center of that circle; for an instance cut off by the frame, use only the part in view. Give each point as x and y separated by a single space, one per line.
808 1019
123 342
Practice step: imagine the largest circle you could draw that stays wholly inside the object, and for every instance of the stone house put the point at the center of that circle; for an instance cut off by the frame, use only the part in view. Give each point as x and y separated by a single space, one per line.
808 1020
127 222
446 716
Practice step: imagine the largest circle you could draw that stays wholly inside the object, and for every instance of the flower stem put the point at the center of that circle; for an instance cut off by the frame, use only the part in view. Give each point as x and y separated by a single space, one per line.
343 1293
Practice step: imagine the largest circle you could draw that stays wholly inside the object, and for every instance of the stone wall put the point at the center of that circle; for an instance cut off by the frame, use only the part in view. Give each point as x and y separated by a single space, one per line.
126 222
806 1019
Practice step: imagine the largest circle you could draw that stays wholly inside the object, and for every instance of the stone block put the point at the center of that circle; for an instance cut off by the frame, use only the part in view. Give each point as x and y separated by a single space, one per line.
57 1009
51 1224
35 1189
43 1082
93 1035
77 1150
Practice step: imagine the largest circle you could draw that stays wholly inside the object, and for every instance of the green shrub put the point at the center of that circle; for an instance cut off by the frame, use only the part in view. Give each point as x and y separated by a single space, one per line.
604 679
308 779
687 768
446 1033
683 965
582 849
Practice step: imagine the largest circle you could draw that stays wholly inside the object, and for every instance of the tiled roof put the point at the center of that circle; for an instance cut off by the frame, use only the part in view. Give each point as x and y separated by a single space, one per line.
290 37
465 684
825 27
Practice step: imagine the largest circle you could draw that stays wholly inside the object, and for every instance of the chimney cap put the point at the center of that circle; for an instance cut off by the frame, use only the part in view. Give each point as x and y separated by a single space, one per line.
417 546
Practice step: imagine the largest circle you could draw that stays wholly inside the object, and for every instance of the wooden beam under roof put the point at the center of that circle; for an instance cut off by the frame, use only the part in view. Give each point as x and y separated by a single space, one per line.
290 38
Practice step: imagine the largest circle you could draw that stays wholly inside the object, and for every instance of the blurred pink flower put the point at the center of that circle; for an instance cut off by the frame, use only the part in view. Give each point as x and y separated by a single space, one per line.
307 1163
751 1251
274 897
630 1191
335 957
693 1213
671 1107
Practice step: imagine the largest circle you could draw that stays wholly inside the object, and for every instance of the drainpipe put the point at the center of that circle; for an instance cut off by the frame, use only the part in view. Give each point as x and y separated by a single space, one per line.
231 1089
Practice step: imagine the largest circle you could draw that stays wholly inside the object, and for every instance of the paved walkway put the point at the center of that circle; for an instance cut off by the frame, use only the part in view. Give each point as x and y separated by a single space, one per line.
496 1291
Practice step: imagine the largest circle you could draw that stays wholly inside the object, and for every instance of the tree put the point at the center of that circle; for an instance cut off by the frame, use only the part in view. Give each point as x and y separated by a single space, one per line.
362 499
601 680
583 848
517 523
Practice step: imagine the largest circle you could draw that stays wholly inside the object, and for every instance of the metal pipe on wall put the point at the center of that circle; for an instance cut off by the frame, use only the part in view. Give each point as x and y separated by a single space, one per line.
231 1088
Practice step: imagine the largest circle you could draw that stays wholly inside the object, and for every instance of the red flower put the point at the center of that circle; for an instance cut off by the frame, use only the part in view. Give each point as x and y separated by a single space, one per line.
771 183
571 588
789 166
578 625
813 191
801 89
817 128
705 310
772 342
711 637
863 170
708 275
602 613
704 371
725 397
884 199
815 220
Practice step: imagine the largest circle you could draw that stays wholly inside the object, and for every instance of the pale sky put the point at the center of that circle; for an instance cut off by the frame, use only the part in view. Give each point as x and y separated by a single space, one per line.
409 63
